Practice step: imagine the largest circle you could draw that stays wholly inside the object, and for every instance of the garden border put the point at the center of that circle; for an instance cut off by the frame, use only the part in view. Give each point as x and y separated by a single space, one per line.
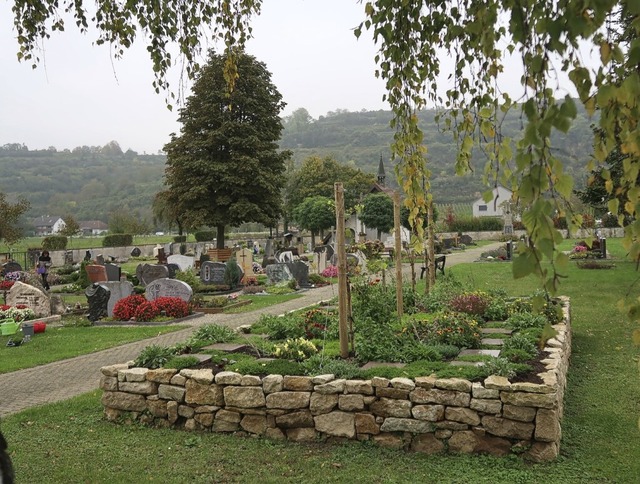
426 414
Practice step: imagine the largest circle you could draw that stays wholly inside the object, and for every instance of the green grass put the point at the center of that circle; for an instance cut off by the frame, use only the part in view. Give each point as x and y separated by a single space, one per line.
260 302
59 343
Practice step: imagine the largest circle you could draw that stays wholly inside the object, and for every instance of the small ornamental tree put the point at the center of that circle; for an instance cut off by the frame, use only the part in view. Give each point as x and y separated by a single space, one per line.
377 212
315 214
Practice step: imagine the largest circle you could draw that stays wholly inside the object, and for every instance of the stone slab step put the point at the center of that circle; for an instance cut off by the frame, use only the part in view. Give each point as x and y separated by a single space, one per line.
492 341
201 358
494 353
496 331
227 347
467 363
378 364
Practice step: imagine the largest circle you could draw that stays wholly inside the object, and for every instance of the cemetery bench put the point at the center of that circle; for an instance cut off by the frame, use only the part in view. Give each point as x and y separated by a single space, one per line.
220 255
439 263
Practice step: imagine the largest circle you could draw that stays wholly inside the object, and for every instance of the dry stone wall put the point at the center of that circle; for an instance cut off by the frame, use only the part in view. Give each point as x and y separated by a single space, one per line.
425 414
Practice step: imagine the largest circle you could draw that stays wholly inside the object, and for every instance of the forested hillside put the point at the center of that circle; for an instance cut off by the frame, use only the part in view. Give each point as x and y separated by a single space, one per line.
91 182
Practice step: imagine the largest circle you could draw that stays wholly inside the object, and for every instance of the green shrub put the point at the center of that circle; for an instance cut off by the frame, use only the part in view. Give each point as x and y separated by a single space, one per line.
474 303
320 364
319 323
500 367
275 367
180 239
458 329
181 362
190 277
154 356
54 242
117 240
297 349
520 321
316 279
205 235
373 301
232 273
214 333
376 341
520 342
515 356
477 224
497 310
282 327
445 289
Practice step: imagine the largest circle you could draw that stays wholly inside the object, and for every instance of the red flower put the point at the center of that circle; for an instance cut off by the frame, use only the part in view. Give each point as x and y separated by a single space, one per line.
125 308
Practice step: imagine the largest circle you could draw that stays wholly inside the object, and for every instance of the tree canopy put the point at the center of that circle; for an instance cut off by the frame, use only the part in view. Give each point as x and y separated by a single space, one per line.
315 214
225 167
377 212
10 230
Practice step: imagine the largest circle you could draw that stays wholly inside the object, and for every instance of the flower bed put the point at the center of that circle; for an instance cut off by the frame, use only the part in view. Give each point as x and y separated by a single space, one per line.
423 414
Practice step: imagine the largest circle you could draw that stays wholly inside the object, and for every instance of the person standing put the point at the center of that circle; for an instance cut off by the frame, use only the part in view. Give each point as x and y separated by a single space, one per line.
44 262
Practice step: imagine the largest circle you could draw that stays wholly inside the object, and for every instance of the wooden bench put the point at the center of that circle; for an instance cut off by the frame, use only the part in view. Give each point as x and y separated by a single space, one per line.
439 263
220 255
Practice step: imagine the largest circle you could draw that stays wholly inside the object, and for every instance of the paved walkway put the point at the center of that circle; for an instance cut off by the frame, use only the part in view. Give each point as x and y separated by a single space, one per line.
61 380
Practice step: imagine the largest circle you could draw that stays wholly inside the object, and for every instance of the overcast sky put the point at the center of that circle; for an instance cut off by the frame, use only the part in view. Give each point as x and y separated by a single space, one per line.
79 96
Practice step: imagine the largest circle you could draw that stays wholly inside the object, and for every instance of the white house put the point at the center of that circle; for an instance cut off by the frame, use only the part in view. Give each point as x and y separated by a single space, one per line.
495 207
93 227
47 225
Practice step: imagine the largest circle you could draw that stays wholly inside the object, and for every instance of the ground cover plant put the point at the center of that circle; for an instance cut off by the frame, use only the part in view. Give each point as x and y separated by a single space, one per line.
71 442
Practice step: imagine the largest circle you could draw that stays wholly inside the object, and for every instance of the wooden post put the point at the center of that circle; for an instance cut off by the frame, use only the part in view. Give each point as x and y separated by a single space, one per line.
430 244
396 227
342 272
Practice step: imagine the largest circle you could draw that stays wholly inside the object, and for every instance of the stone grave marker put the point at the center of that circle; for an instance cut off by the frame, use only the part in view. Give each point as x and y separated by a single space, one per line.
30 296
100 259
286 256
244 258
184 262
300 272
172 268
147 273
11 266
278 273
320 261
118 290
168 288
212 272
113 272
466 239
96 272
135 252
98 299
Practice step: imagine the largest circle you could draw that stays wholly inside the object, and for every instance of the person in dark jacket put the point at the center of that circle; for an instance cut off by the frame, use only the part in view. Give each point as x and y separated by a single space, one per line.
6 468
44 262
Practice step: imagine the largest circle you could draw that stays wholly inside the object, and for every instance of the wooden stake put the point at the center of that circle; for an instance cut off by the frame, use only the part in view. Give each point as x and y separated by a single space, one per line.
396 226
343 302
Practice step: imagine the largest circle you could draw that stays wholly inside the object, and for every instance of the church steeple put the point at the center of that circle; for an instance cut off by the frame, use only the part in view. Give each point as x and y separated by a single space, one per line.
381 174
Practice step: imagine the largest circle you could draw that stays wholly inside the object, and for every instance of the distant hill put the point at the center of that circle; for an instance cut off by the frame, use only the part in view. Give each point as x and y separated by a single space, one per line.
91 182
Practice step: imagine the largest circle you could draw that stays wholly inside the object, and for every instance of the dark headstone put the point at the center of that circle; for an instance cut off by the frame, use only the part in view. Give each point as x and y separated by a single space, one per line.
98 299
173 268
300 272
135 252
603 248
96 273
326 239
448 243
509 250
162 256
68 257
87 256
466 239
100 259
147 273
278 273
212 272
168 288
113 272
11 266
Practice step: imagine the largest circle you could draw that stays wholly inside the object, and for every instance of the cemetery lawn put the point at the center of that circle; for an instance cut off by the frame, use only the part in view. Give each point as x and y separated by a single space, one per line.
59 343
70 442
260 302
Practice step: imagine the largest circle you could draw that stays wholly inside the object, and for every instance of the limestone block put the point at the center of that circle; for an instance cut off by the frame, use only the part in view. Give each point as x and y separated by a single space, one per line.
522 414
203 394
206 409
380 382
275 434
450 425
478 391
486 405
339 424
204 376
288 400
294 420
335 386
442 397
547 426
531 387
157 407
432 413
443 433
403 383
204 419
520 399
139 387
366 424
456 384
495 382
112 370
191 425
394 424
272 384
390 441
297 383
133 374
488 444
124 401
463 442
322 379
390 392
170 392
228 378
362 387
109 383
350 403
161 375
172 411
320 403
226 421
247 397
387 407
254 424
305 434
186 411
247 411
464 415
112 414
503 427
251 381
426 382
178 380
542 452
427 444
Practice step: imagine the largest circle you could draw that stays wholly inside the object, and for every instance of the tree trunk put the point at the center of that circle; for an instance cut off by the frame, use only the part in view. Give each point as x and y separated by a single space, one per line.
220 236
313 240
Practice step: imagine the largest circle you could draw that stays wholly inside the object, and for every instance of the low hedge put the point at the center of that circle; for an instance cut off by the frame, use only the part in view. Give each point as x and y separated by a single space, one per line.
117 240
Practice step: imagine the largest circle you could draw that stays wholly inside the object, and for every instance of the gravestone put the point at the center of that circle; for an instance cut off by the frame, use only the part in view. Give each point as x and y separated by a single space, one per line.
320 261
11 266
508 223
466 239
300 272
173 268
98 299
118 290
212 272
135 252
68 258
87 256
448 243
353 260
244 258
113 272
168 288
100 259
162 256
30 296
147 273
279 272
286 256
184 262
96 273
